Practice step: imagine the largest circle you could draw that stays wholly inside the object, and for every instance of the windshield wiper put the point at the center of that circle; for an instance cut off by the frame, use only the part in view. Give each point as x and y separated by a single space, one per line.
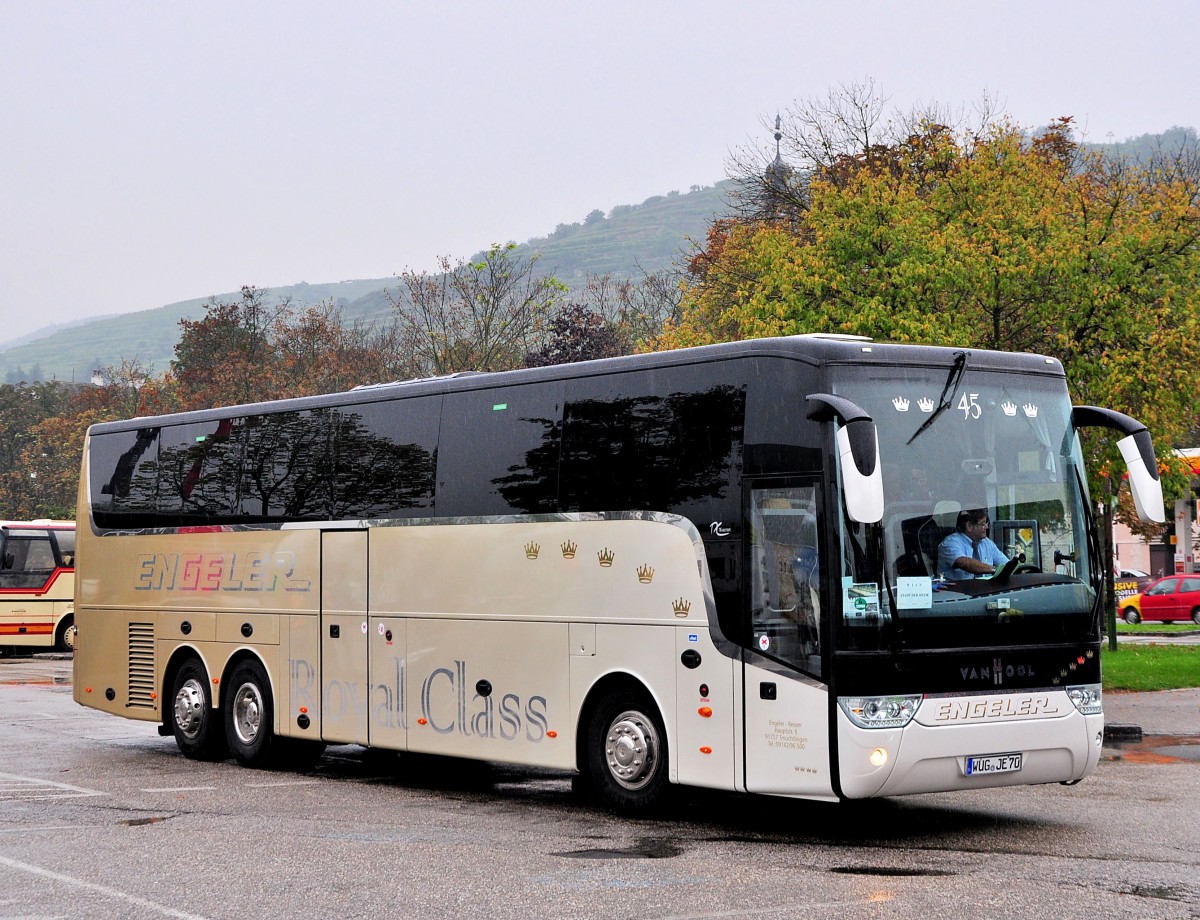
948 390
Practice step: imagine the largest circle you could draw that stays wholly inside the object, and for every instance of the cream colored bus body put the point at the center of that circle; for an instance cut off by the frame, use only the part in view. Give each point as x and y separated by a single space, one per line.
478 640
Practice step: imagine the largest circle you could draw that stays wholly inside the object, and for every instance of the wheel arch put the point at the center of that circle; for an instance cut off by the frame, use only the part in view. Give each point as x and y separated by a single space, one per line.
604 686
182 654
248 654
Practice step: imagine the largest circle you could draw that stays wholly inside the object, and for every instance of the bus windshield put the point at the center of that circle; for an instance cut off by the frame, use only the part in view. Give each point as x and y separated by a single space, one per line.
984 538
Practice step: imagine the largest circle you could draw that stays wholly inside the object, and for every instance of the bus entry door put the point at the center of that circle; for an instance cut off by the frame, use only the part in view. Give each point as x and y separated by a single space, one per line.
344 691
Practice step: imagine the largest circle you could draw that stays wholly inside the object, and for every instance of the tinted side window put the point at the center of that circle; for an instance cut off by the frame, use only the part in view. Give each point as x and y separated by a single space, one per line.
779 435
668 439
199 471
284 469
123 476
385 455
499 451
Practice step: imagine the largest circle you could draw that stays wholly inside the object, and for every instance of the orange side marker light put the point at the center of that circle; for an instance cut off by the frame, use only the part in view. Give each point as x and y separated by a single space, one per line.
705 711
422 722
551 734
706 750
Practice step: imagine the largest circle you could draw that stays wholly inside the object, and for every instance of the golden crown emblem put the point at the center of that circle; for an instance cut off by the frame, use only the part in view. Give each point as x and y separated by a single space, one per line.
645 574
681 607
532 549
568 549
606 557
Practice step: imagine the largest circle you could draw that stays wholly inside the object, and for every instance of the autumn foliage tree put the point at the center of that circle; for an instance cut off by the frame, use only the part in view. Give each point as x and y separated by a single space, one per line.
989 239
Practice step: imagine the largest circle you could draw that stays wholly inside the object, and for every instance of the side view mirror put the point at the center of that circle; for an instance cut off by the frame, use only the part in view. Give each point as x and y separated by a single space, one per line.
858 448
1137 450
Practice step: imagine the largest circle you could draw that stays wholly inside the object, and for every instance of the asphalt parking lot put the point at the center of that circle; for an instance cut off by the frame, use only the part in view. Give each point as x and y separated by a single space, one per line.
101 817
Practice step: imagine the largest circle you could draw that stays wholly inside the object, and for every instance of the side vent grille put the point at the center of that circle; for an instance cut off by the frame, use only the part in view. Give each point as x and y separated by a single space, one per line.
141 665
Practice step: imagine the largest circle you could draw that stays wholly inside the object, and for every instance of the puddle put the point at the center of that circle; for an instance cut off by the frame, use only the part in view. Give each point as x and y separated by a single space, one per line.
890 871
643 849
142 822
1156 749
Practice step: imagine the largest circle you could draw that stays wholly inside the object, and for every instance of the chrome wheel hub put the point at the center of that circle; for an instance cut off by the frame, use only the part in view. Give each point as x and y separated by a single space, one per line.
247 713
631 750
189 708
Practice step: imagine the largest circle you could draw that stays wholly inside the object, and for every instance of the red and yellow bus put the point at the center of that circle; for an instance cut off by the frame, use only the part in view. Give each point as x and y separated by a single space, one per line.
37 585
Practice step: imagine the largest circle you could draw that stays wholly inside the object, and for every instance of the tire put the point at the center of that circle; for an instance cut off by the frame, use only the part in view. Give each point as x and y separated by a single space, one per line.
250 718
1132 617
191 717
64 637
1196 615
627 754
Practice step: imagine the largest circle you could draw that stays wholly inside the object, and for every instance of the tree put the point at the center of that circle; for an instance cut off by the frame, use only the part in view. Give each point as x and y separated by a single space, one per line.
484 315
24 408
318 352
575 334
227 356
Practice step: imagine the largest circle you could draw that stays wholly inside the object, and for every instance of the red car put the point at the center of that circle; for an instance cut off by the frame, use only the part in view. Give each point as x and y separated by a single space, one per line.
1176 597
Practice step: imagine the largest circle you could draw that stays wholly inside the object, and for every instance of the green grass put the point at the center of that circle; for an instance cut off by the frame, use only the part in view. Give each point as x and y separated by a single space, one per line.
1124 628
1151 667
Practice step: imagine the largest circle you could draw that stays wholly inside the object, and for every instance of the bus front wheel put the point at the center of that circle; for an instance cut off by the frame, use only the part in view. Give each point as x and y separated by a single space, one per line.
250 716
64 637
193 721
627 753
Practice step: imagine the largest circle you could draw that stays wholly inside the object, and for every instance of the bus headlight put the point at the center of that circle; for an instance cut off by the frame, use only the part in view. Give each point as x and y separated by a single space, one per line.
1087 699
880 711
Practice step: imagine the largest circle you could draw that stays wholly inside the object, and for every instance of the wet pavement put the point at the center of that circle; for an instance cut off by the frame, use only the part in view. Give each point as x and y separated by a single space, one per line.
1158 727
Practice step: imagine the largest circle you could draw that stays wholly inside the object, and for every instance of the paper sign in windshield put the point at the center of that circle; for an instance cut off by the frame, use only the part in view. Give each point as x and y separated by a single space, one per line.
914 593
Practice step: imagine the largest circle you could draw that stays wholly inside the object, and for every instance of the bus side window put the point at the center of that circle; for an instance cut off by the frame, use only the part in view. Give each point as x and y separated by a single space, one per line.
786 601
28 562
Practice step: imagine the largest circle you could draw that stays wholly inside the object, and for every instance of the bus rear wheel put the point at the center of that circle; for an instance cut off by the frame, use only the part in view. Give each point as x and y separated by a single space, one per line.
1196 616
627 754
1132 617
191 716
250 716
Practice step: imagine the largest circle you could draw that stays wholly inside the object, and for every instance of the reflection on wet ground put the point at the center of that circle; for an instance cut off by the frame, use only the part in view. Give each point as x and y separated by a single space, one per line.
1155 749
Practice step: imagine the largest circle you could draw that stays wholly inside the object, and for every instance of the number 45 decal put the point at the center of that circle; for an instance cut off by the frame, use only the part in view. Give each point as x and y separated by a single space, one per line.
970 406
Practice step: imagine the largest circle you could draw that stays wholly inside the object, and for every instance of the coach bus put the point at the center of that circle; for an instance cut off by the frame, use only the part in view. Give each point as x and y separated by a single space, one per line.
37 586
712 567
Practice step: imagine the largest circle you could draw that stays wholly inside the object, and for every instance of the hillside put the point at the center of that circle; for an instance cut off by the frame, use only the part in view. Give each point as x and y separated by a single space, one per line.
624 243
631 239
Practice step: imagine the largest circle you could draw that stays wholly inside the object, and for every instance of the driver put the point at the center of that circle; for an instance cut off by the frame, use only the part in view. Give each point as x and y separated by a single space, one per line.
968 552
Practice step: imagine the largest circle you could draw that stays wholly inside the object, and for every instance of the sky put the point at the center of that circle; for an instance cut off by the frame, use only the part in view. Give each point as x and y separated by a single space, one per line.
155 152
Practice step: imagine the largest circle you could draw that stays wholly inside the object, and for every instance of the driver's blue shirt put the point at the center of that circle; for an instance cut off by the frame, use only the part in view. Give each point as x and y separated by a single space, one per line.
959 544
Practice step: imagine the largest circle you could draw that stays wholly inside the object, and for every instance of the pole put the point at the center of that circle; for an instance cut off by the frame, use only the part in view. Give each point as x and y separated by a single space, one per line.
1110 598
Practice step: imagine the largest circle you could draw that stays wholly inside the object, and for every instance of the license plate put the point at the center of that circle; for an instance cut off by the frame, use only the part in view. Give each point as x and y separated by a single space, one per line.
984 764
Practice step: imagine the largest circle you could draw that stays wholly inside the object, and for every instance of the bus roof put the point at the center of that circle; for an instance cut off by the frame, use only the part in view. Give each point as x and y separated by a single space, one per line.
818 349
